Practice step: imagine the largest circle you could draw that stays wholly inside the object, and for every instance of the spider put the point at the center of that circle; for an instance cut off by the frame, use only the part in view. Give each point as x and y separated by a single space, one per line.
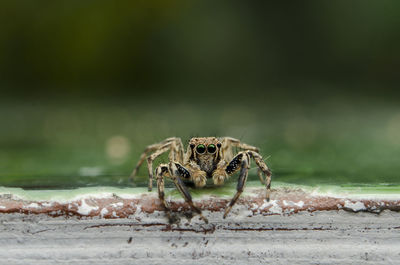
205 158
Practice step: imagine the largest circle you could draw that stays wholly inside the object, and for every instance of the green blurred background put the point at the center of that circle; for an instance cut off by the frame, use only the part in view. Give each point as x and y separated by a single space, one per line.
86 85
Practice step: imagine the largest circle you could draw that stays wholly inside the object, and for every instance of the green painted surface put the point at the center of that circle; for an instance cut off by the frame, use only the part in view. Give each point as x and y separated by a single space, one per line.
227 191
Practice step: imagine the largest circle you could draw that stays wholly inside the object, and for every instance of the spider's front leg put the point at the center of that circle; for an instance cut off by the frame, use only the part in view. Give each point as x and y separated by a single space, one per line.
176 172
242 161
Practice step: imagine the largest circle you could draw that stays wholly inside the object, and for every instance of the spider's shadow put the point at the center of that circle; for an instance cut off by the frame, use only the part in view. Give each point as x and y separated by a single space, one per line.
176 217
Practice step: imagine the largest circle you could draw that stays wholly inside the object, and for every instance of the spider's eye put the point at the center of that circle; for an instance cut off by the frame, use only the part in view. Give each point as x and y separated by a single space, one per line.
211 148
200 148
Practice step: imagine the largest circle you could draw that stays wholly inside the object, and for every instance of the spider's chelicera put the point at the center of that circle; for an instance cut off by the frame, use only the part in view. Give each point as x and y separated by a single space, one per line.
205 158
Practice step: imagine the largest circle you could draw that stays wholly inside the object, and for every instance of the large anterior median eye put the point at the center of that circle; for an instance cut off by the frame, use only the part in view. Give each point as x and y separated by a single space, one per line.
211 148
200 148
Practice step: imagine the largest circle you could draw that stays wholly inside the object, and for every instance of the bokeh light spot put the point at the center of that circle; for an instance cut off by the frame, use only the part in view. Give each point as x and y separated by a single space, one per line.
117 149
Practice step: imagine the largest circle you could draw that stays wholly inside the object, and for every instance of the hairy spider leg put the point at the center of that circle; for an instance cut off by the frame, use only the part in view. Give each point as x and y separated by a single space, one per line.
148 149
176 172
262 170
161 171
176 154
226 154
242 161
228 143
150 160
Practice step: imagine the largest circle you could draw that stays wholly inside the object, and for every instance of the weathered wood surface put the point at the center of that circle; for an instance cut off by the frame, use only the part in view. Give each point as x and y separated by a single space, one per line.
295 227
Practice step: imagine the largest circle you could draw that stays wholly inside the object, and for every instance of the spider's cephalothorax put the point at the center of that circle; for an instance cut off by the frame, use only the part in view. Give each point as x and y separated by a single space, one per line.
204 153
205 157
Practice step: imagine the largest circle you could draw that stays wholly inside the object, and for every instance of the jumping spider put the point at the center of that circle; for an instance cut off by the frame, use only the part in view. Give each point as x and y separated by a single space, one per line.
205 158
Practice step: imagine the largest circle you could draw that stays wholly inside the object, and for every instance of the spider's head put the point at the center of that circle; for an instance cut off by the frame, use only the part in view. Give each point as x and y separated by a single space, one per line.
205 152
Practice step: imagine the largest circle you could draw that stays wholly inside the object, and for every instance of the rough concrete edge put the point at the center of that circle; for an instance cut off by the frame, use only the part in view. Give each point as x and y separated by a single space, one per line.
284 201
